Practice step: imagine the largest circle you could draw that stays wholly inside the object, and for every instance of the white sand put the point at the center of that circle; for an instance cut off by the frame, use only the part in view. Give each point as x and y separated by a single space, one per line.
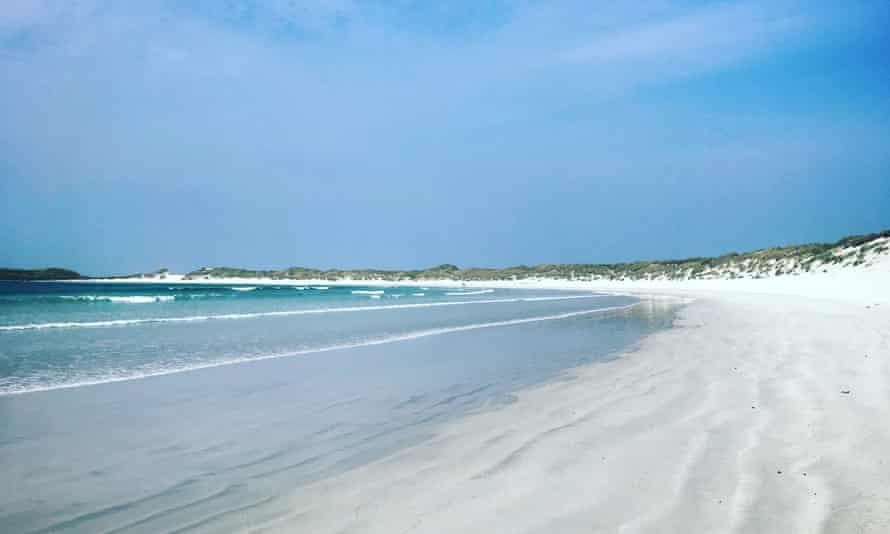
766 410
737 420
869 282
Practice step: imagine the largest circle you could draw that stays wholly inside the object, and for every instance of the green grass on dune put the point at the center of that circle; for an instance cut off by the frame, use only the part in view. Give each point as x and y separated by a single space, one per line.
770 261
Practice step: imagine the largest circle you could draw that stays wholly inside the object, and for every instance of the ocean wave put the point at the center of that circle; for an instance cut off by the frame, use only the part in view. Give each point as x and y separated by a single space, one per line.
418 294
367 292
201 296
117 299
282 313
131 299
146 373
142 299
320 288
244 289
461 293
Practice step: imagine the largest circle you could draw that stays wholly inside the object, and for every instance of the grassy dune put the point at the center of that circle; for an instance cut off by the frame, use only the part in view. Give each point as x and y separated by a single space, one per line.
769 262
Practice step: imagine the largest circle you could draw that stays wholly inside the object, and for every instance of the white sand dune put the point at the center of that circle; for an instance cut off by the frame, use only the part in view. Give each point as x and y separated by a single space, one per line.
759 413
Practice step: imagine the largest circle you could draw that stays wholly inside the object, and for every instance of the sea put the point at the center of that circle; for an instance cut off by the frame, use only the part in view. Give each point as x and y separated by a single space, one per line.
156 407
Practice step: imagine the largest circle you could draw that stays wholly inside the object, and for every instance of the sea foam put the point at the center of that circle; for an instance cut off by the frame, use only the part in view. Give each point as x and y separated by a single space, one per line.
342 346
283 313
132 299
462 293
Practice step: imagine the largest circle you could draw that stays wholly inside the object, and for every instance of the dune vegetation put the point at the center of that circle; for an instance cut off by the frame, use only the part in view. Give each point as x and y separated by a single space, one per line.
777 261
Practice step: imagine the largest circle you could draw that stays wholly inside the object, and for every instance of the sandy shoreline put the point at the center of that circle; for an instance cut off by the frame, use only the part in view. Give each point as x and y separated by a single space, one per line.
864 284
755 414
764 410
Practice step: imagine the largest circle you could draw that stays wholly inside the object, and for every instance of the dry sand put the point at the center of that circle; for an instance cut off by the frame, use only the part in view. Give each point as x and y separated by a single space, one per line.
757 413
767 409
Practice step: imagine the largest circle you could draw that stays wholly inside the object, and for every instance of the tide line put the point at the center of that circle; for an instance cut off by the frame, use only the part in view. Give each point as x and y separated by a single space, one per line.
343 346
234 316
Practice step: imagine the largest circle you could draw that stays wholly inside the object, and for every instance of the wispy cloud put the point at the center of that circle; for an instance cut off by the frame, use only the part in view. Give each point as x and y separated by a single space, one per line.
400 109
705 36
44 15
108 73
654 39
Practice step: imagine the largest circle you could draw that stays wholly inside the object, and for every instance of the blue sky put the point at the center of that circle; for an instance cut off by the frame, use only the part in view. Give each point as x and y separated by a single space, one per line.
137 135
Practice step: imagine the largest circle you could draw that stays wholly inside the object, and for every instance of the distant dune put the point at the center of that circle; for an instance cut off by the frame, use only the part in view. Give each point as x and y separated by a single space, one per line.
853 251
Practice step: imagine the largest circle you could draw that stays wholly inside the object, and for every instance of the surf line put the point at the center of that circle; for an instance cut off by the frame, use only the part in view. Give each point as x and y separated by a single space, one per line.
232 316
330 348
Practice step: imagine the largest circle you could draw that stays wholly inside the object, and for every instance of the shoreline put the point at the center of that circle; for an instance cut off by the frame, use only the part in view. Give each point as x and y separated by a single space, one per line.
241 438
396 338
766 412
765 403
864 284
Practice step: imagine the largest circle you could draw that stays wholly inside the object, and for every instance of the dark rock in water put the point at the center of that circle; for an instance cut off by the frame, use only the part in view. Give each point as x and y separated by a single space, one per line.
845 391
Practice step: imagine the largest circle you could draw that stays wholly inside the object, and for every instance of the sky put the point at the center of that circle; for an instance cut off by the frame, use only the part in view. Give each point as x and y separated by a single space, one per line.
405 134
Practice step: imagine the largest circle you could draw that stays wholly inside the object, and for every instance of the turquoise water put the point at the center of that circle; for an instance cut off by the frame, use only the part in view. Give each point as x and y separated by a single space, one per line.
153 408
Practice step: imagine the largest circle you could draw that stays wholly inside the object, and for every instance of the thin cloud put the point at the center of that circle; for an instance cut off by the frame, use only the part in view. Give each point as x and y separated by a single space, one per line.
388 106
701 38
24 15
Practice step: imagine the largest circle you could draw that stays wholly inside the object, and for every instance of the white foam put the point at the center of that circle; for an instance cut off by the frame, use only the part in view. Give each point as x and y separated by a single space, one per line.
191 296
140 299
320 288
135 299
418 294
244 288
284 313
343 346
367 292
88 298
479 292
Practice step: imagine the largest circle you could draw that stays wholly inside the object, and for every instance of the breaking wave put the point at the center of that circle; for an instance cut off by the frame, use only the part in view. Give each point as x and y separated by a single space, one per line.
463 293
283 313
146 373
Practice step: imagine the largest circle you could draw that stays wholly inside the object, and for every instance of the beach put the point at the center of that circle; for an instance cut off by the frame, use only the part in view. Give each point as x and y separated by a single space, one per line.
345 267
150 408
762 409
757 413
